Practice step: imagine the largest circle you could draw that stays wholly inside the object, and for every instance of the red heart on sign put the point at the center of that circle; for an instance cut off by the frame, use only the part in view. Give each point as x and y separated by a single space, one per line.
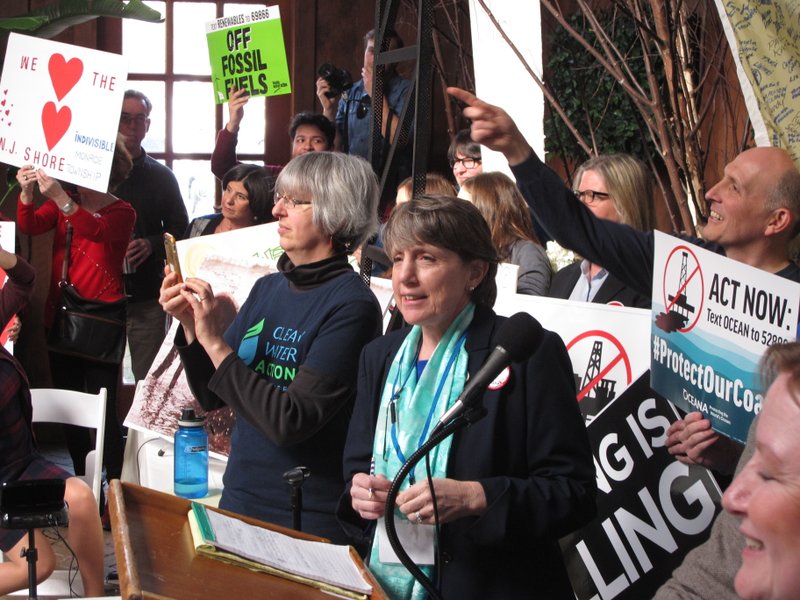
55 123
63 74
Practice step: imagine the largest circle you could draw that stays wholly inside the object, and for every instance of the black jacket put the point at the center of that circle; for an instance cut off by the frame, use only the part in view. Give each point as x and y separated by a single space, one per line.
612 290
531 454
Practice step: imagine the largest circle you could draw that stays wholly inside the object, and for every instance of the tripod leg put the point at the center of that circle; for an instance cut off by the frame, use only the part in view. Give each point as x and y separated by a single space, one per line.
31 555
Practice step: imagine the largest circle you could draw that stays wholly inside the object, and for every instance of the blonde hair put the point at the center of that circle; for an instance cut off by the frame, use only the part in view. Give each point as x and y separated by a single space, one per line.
630 185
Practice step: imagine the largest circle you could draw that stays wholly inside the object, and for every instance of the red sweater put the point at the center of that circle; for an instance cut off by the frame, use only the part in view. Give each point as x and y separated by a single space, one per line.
99 243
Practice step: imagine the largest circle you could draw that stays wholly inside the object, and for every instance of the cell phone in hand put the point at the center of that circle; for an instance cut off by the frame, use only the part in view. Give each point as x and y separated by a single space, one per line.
171 250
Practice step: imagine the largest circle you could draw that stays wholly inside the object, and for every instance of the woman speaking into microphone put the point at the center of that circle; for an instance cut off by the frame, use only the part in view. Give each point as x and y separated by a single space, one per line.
507 487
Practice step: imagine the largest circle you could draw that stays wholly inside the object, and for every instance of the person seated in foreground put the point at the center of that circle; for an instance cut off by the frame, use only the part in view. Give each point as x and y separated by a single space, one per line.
20 460
754 212
617 187
308 132
508 486
509 219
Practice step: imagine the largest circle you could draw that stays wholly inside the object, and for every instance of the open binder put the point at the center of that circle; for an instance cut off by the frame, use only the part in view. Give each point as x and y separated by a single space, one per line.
329 567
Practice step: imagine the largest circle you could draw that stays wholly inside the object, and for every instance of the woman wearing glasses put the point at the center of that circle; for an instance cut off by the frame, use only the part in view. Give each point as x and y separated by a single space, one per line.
464 157
287 364
616 187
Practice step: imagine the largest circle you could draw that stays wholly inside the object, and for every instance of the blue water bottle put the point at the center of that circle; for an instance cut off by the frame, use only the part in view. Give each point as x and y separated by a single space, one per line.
191 456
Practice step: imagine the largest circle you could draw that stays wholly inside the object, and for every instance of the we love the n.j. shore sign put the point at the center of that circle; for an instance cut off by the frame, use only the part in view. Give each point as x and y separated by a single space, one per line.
59 109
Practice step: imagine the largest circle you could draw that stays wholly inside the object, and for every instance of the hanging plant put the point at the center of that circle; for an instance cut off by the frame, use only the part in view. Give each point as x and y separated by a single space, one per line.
49 21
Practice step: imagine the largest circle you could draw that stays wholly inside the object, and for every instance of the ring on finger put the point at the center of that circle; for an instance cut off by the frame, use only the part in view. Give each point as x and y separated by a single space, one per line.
419 517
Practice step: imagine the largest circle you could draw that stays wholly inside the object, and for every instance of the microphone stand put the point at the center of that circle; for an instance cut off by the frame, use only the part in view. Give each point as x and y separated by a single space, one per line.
440 432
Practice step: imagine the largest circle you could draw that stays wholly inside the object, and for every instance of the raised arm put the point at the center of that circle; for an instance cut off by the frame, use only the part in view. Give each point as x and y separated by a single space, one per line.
223 158
624 251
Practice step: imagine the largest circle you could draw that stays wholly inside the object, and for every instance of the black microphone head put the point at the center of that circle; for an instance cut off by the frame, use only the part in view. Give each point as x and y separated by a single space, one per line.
520 335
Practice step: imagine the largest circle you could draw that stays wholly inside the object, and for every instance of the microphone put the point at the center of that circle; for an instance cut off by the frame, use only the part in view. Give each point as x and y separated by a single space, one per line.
517 339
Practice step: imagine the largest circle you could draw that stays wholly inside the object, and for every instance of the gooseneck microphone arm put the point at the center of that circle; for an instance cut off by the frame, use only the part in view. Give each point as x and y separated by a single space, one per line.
469 416
517 339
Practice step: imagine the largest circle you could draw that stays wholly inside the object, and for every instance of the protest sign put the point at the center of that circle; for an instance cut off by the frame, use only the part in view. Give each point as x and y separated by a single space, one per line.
713 317
247 52
59 109
651 509
608 345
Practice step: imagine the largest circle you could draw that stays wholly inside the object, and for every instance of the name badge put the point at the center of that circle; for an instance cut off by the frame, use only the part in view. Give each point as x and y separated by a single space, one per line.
417 541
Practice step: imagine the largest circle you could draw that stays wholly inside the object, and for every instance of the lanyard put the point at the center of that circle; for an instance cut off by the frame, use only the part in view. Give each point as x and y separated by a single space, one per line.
396 394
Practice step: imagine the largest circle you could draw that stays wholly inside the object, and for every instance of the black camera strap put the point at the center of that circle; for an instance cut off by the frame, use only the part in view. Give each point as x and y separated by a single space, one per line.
346 128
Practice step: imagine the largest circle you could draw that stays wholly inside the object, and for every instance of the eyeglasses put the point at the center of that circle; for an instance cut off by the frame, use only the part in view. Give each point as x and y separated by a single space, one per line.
591 196
128 119
289 201
467 163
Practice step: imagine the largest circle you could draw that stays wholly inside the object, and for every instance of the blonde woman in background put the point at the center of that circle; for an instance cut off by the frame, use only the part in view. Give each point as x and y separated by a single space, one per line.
619 188
496 196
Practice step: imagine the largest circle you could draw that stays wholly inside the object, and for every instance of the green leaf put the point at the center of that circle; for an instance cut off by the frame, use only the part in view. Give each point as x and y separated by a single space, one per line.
49 21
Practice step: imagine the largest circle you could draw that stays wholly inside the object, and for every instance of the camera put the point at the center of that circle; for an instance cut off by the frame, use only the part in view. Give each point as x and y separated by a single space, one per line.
339 80
33 503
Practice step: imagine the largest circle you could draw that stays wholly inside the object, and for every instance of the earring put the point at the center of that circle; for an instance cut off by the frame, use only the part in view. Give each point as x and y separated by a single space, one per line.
471 288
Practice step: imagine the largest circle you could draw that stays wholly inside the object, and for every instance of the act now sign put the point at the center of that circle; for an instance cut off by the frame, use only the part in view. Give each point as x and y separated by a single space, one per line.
713 318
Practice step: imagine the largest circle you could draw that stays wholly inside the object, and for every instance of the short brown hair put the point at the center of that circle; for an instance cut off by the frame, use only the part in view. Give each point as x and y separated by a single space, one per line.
450 223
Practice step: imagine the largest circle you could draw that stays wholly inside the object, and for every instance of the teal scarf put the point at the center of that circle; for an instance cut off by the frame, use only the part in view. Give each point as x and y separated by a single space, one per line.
442 380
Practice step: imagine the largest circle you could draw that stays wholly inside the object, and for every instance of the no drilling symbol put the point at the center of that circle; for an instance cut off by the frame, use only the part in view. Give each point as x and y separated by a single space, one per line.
595 387
683 291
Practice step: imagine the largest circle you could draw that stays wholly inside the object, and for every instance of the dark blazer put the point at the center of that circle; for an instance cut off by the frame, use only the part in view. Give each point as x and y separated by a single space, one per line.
531 454
612 290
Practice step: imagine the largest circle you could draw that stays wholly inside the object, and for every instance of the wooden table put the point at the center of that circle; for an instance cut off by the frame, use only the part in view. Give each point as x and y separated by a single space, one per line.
156 558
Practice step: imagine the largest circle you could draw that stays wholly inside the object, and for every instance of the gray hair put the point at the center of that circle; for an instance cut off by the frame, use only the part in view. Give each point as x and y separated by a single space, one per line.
344 193
139 96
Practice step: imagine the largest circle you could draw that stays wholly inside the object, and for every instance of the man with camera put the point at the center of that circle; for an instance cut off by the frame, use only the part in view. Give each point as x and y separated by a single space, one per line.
351 109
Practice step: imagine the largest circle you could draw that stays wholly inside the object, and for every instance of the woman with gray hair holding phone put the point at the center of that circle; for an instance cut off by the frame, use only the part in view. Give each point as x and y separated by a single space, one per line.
287 364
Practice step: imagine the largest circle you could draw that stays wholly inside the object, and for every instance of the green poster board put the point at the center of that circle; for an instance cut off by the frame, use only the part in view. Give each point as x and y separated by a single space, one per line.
247 51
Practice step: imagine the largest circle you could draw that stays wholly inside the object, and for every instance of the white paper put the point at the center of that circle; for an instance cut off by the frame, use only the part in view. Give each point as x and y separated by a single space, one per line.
417 541
328 563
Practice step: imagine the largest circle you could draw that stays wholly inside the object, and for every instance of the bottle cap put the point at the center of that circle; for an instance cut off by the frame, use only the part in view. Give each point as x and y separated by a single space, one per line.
190 419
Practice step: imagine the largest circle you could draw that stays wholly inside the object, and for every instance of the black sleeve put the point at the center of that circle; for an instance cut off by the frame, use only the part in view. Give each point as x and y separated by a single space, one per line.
199 368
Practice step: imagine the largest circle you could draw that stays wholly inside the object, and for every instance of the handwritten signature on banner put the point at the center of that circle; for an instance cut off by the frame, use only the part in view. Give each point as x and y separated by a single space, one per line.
768 45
